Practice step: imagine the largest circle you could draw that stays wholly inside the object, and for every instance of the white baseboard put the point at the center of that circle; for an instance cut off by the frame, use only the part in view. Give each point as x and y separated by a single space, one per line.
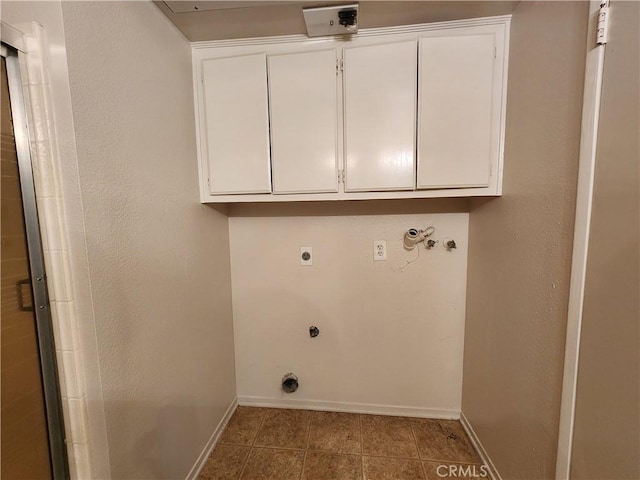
208 448
349 407
479 447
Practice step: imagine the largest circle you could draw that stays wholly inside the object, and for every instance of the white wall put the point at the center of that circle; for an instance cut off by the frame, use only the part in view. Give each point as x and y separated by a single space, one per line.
158 260
390 337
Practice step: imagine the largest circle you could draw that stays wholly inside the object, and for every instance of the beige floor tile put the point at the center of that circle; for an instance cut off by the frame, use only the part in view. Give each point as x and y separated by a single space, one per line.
243 426
387 437
225 463
377 468
284 429
455 471
332 466
335 432
272 464
443 440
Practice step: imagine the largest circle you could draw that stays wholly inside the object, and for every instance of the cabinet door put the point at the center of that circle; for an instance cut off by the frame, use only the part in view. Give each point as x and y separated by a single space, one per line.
380 116
237 124
303 112
458 121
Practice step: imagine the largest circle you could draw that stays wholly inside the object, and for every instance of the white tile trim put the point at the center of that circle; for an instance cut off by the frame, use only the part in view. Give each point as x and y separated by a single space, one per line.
347 407
493 471
208 448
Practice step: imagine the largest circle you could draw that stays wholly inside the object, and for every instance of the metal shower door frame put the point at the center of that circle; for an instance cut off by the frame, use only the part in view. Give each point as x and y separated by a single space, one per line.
42 312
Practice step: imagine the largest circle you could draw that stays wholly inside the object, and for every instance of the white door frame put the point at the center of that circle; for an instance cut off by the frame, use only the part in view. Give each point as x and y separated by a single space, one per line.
594 69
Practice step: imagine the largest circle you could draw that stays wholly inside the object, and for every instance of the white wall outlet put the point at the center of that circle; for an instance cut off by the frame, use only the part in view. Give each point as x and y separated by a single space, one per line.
379 250
306 256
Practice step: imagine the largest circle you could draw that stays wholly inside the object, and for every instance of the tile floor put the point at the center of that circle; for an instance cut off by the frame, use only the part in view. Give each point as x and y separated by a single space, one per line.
278 444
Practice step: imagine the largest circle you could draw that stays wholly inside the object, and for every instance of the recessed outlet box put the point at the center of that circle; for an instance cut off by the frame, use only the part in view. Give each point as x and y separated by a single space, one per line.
379 250
334 20
306 256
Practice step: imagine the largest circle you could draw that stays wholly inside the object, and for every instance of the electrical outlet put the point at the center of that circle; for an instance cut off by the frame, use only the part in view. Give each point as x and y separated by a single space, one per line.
379 250
306 256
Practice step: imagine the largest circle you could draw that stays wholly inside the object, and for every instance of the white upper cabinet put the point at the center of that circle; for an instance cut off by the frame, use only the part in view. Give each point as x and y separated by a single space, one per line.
236 124
380 116
304 122
414 111
460 97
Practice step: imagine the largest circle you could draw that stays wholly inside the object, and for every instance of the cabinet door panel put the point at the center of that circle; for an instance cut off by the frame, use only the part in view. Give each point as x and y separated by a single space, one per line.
380 116
457 136
303 112
237 124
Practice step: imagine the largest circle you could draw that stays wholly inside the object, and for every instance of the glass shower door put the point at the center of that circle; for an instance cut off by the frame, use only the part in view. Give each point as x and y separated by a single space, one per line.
32 432
25 446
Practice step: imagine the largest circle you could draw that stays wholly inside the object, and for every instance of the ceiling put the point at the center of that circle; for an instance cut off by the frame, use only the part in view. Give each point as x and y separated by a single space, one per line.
202 20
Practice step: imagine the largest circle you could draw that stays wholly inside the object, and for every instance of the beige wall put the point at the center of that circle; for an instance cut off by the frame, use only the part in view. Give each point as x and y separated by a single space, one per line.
520 248
158 260
391 334
607 423
286 18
